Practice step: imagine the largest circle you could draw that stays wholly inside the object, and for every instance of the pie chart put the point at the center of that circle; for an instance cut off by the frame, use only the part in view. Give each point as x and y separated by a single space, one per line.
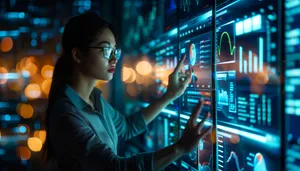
192 54
259 163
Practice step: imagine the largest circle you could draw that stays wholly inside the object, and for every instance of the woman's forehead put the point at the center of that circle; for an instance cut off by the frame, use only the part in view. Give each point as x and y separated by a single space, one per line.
105 37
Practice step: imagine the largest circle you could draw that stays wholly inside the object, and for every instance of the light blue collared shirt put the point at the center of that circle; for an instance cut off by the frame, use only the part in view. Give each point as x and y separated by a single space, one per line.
84 138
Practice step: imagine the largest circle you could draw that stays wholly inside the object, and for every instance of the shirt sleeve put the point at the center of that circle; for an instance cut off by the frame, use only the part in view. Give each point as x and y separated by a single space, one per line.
72 137
127 126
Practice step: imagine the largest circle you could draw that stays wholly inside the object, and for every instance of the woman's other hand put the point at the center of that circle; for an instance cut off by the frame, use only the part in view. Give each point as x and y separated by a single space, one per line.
193 132
178 80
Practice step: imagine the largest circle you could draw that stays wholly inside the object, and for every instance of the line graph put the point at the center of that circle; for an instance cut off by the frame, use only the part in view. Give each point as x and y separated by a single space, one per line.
226 48
231 47
234 156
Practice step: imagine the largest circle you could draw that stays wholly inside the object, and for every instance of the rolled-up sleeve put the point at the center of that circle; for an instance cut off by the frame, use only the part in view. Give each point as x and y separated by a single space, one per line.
72 137
127 126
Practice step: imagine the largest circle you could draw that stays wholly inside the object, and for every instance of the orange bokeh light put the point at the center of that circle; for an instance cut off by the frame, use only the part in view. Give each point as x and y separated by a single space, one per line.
46 85
47 71
23 153
35 144
25 110
3 77
33 91
17 85
6 44
41 134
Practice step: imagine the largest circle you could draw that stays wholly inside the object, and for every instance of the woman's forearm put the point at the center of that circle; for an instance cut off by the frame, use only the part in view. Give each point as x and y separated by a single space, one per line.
166 156
155 107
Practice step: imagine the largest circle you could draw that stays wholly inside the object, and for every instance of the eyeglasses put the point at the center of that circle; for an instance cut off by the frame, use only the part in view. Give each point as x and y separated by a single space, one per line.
108 51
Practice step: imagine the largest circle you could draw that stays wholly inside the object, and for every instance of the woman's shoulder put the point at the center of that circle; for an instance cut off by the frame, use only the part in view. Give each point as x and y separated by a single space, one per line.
63 105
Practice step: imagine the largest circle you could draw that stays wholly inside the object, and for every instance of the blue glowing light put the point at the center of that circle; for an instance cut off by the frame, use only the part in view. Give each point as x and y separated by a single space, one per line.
22 129
81 9
33 42
2 152
36 21
7 117
21 15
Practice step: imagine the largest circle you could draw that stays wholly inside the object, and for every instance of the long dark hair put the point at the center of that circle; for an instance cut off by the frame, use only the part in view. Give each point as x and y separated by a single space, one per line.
79 32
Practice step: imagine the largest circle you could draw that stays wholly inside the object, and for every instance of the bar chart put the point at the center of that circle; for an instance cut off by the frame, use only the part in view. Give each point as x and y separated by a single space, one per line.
255 61
171 63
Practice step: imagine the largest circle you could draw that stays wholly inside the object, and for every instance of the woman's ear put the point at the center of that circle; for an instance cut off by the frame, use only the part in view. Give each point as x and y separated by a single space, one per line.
77 55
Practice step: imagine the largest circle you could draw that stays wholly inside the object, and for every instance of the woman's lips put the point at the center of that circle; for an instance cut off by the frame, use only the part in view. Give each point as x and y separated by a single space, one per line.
111 70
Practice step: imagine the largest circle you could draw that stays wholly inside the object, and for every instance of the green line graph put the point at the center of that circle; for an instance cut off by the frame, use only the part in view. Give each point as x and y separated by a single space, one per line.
232 48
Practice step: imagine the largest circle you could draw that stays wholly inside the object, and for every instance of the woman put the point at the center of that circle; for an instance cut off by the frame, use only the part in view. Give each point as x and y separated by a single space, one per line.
82 128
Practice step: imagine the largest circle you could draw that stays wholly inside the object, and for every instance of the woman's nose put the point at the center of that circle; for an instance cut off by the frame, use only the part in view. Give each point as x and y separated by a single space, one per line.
113 59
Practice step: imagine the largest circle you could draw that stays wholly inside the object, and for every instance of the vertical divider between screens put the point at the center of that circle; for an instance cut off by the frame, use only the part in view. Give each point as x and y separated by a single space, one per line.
281 49
213 90
179 99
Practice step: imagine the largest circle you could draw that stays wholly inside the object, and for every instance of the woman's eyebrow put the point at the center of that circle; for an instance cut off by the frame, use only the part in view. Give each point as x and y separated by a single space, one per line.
105 42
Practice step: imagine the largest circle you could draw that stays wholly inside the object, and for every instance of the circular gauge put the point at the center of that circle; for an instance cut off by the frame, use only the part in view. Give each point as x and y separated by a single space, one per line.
192 54
193 155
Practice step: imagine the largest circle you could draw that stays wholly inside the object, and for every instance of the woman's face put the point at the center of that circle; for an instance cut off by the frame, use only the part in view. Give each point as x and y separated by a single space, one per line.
96 65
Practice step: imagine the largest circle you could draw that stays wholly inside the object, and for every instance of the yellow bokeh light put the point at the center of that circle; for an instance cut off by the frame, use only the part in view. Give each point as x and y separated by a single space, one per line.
132 77
126 73
3 75
144 68
47 71
33 91
41 134
46 85
31 68
35 144
25 110
23 153
6 44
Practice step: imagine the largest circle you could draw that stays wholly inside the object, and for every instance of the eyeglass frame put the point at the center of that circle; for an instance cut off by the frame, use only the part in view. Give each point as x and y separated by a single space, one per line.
103 48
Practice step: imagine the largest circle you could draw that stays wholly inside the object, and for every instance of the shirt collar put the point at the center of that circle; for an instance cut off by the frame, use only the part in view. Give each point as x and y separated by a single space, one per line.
77 101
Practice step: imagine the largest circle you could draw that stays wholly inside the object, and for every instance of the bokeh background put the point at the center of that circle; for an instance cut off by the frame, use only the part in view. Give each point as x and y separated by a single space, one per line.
30 37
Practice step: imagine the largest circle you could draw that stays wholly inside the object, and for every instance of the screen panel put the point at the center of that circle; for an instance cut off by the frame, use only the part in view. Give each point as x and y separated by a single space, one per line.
163 53
247 84
191 8
292 80
195 41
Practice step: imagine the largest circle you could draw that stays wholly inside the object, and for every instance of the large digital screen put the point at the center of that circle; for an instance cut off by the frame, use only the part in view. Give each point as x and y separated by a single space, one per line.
292 84
248 84
234 51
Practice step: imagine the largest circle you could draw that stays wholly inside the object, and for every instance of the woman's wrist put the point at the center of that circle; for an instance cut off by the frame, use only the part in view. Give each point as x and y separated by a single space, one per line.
169 97
178 149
